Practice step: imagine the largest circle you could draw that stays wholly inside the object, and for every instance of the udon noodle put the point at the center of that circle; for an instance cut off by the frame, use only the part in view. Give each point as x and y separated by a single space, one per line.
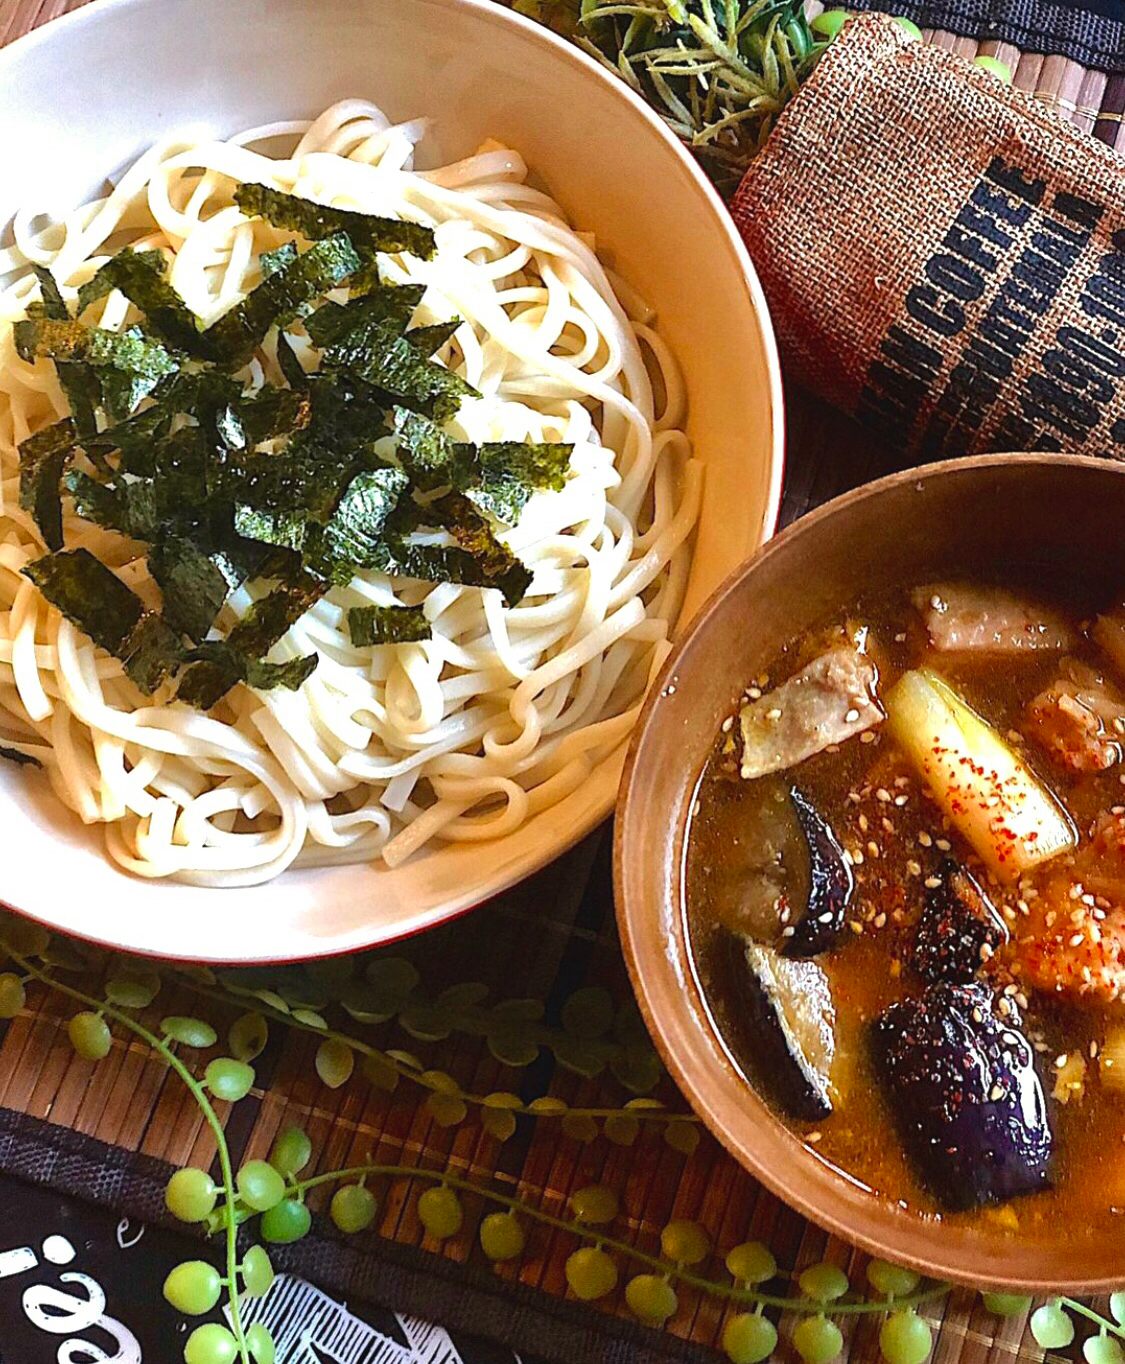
505 710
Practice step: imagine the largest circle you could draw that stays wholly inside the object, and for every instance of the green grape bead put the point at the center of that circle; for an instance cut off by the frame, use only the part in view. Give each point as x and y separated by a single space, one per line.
191 1194
210 1344
749 1338
817 1340
291 1151
591 1273
1117 1307
828 24
440 1212
257 1272
995 68
905 1339
823 1283
908 25
287 1221
892 1280
12 995
260 1344
1102 1350
751 1262
260 1186
353 1208
685 1242
1051 1327
501 1236
229 1079
1006 1304
595 1204
89 1036
651 1299
193 1287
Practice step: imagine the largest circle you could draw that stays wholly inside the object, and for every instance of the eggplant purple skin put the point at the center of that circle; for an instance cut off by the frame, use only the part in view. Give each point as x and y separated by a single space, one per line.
969 1104
830 885
958 921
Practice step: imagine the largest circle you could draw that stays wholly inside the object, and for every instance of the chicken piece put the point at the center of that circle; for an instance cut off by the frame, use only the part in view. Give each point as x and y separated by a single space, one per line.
968 618
1079 719
830 700
1072 941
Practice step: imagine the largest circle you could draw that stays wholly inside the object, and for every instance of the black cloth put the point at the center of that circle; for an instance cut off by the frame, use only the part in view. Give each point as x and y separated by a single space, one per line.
1091 32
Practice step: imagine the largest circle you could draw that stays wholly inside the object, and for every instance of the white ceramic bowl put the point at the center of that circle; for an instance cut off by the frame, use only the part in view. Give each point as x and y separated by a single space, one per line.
82 97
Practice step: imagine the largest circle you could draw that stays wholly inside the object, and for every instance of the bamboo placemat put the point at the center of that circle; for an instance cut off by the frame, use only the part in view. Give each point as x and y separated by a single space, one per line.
543 939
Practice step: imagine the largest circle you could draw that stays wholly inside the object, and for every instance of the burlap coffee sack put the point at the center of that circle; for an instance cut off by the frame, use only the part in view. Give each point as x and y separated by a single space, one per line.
943 257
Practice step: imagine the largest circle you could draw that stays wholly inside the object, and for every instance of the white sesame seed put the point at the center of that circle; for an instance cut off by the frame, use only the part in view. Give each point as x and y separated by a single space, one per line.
932 882
888 827
880 920
914 868
978 1017
754 693
925 840
873 849
1093 1048
857 858
864 823
882 794
1077 940
855 926
900 638
728 724
788 932
900 801
851 716
868 737
1061 1060
943 843
774 714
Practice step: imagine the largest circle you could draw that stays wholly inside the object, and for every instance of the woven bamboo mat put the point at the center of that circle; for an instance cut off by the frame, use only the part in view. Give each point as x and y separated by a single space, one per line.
544 939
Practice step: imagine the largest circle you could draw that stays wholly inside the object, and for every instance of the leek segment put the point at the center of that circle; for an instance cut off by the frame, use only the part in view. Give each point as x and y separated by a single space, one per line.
989 794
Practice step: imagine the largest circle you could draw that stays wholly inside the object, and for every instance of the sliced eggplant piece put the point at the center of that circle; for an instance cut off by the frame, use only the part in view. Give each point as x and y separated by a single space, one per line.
962 1083
791 1029
959 928
830 885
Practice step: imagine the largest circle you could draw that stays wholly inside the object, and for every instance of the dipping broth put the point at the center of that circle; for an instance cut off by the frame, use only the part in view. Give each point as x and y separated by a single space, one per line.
905 893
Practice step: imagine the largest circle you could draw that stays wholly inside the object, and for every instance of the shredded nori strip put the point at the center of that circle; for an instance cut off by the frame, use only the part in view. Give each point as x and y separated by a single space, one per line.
332 322
368 233
270 262
54 305
13 755
270 617
378 353
429 340
129 351
279 297
152 651
89 595
141 277
353 535
218 666
387 625
508 472
429 456
291 368
192 584
43 459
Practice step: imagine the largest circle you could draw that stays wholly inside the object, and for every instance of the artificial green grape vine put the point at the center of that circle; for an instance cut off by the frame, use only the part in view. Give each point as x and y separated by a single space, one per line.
274 1192
191 1194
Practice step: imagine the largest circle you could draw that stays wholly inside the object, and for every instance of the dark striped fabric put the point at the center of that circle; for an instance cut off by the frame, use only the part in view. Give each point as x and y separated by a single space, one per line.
1088 31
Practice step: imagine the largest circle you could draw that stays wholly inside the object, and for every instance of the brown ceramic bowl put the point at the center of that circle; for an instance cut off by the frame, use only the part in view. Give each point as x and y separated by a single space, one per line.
1044 513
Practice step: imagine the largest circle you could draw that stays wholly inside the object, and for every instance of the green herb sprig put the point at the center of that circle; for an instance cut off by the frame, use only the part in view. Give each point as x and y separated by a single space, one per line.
718 71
